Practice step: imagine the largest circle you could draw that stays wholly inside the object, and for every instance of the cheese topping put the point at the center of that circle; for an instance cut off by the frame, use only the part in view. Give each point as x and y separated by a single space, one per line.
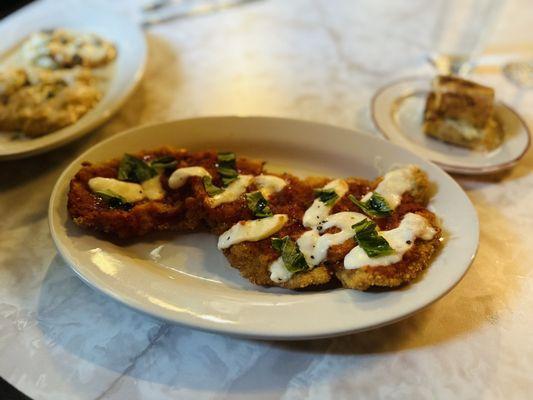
252 231
131 192
394 184
153 189
312 244
278 272
180 176
468 131
62 47
315 247
269 184
234 190
401 239
318 211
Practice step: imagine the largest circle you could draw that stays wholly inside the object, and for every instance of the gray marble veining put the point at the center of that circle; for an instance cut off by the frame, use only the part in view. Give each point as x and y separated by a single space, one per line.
318 60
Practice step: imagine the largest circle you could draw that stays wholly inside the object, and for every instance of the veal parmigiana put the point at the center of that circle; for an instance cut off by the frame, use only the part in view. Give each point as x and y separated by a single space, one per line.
375 247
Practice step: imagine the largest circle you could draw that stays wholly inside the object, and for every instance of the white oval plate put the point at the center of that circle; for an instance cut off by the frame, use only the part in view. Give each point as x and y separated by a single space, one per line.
128 68
397 110
185 279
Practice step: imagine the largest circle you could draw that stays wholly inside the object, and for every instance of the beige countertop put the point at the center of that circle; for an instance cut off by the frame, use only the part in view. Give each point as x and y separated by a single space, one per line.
318 60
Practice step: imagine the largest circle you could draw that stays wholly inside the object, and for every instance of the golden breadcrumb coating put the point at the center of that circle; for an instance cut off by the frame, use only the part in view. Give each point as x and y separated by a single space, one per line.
186 210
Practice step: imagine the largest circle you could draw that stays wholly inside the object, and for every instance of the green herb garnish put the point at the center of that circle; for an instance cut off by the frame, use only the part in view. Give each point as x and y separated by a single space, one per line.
227 167
210 188
326 196
367 237
165 162
376 206
134 170
113 200
258 204
291 255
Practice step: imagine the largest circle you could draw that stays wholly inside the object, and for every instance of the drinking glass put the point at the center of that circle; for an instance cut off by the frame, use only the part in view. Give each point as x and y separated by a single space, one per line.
461 32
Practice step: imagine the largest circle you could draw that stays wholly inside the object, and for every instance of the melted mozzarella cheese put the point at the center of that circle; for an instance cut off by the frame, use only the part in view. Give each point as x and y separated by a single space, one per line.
394 184
269 184
315 247
401 239
278 272
252 231
131 192
180 176
234 190
468 131
153 189
318 211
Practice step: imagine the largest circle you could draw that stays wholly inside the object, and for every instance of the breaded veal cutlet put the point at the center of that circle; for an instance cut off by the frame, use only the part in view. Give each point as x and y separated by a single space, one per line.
276 229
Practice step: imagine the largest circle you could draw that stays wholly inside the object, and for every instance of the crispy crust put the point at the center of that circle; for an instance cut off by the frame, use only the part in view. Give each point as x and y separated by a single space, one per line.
415 261
184 210
180 211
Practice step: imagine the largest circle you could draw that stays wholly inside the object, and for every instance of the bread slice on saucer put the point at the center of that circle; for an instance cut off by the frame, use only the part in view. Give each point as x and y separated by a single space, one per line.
461 112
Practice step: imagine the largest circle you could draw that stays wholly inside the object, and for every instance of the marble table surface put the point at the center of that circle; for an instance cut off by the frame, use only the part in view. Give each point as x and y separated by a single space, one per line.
318 60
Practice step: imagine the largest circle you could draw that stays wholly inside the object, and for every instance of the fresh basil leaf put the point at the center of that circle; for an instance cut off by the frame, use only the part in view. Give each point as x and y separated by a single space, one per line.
277 244
211 189
165 162
326 196
376 206
291 255
227 167
134 170
113 200
226 157
228 175
367 237
258 204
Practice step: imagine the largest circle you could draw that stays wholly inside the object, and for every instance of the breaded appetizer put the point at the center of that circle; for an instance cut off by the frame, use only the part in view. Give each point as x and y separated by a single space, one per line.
65 48
461 112
276 229
37 102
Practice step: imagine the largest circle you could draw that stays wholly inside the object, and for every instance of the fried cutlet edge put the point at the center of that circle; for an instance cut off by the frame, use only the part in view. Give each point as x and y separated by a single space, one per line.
255 267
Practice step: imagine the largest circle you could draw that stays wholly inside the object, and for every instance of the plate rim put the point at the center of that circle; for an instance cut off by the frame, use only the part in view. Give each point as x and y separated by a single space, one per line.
101 117
228 328
450 167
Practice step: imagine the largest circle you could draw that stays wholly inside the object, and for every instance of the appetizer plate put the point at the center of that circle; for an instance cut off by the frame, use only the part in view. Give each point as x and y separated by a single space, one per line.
128 66
397 110
185 279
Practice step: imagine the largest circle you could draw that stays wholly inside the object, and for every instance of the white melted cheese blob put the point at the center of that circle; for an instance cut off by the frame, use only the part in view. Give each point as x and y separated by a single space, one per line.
468 131
318 211
394 184
401 239
153 189
252 231
269 184
315 247
232 192
131 192
278 272
180 176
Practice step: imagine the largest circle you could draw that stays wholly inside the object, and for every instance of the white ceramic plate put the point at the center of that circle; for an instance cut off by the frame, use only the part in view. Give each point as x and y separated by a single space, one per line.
185 279
128 66
398 110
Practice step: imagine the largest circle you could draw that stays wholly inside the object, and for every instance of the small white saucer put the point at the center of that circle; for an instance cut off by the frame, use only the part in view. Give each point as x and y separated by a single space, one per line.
397 110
